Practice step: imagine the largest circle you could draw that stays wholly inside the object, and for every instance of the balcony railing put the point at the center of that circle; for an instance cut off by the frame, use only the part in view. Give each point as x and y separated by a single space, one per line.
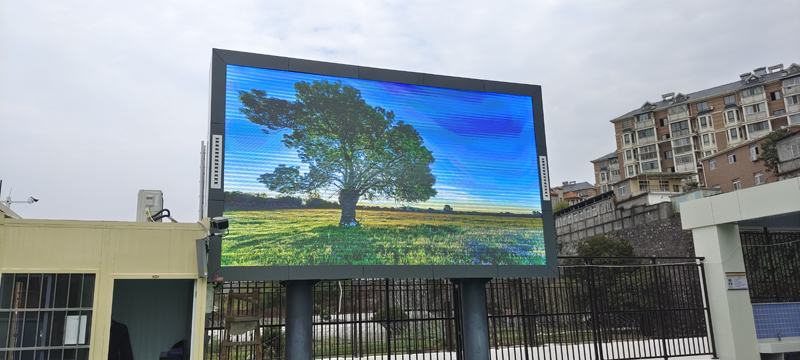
758 134
791 90
677 150
648 156
677 115
793 108
756 116
644 124
647 140
746 100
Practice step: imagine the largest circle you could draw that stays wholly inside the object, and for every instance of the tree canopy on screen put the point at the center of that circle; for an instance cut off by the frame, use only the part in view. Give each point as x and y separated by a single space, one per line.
352 149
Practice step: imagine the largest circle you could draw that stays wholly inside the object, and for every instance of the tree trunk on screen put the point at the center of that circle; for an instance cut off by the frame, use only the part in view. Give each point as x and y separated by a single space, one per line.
348 201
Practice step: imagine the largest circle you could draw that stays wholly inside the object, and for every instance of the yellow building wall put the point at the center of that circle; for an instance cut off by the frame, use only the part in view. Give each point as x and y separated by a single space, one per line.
110 250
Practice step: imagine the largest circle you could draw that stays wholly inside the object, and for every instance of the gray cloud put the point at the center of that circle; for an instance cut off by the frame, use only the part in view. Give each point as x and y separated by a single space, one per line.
98 99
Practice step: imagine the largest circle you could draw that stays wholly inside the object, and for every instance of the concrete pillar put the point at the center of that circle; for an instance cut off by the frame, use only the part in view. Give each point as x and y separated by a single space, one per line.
731 311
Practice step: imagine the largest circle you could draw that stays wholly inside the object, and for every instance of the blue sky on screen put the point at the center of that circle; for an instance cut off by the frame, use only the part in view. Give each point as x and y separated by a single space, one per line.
483 143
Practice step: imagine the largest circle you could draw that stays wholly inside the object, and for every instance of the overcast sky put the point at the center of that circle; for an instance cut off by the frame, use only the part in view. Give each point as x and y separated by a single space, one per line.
101 99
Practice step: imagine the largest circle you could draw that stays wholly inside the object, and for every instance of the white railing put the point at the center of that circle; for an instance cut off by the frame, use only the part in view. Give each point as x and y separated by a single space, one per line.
645 124
754 98
756 116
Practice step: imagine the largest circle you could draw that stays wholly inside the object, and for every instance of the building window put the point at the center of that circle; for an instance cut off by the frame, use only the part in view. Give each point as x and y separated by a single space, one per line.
644 186
626 138
712 164
650 165
684 159
759 178
676 188
680 128
731 158
778 112
705 122
605 188
709 153
681 146
585 192
46 313
734 134
613 161
730 99
703 106
753 152
628 155
732 115
759 126
791 82
752 91
668 154
602 176
795 151
648 152
775 95
662 122
580 215
663 185
645 133
594 210
626 124
736 184
794 99
706 139
643 117
794 119
622 189
752 109
614 173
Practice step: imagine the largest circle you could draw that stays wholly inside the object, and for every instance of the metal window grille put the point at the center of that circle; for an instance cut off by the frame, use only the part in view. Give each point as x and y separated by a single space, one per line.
772 261
46 316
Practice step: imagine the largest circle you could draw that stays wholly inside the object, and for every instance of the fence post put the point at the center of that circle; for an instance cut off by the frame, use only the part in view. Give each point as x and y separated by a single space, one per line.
707 311
598 348
661 310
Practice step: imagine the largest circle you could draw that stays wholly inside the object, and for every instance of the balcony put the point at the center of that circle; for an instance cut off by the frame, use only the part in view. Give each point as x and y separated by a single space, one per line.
644 124
629 145
758 134
752 99
655 170
614 166
648 156
794 107
646 140
791 90
707 147
675 114
756 116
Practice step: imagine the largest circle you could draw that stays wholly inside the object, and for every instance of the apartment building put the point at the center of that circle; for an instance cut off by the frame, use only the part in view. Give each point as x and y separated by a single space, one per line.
680 132
606 171
572 192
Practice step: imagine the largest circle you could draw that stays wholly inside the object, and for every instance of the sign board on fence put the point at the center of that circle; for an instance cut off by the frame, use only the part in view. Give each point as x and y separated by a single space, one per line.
736 280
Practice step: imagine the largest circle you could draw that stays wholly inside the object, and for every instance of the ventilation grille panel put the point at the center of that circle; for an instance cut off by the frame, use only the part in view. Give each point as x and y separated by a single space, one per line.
545 178
216 162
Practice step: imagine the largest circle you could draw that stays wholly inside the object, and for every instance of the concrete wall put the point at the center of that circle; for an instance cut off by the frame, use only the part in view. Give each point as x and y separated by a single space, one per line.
651 229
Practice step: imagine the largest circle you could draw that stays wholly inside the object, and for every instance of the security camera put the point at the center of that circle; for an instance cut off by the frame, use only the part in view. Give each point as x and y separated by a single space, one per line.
219 223
32 200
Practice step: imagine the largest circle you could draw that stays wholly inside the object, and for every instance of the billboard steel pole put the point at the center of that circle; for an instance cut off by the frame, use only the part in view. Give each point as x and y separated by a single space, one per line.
475 318
299 316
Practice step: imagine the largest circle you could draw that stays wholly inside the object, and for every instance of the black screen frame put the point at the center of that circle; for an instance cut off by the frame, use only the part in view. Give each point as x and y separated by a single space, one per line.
213 201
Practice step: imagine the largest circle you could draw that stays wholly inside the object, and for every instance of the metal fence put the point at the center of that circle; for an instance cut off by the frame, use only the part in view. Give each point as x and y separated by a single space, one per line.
772 261
597 308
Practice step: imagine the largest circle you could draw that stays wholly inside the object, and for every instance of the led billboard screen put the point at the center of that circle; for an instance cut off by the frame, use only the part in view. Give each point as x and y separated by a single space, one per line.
324 172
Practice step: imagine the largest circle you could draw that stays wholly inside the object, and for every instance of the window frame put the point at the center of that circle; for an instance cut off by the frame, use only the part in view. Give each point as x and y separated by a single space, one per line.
758 178
737 184
712 164
731 97
731 158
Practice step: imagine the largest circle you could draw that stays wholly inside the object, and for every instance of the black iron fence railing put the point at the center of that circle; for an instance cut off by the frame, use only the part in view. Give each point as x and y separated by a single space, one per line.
772 261
597 308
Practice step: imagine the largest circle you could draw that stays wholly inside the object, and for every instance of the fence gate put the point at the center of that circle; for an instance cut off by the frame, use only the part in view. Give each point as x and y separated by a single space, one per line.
597 308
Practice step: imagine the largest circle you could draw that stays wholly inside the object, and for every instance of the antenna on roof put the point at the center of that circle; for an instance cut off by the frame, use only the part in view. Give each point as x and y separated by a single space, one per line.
8 201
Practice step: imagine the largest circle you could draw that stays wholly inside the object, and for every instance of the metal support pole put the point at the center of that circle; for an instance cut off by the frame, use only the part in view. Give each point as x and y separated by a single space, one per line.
474 318
299 313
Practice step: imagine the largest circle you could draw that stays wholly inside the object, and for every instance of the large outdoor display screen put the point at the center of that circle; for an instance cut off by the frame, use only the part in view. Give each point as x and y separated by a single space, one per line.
324 170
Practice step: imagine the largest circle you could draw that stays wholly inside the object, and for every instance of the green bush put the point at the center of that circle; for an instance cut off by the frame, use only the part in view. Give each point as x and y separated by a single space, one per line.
394 313
273 342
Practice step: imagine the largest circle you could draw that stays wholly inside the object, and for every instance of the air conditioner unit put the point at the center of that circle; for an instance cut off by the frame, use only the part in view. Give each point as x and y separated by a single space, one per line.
710 108
148 203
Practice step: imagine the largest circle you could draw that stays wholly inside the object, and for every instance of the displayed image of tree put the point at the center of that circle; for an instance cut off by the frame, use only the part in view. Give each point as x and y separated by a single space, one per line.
352 149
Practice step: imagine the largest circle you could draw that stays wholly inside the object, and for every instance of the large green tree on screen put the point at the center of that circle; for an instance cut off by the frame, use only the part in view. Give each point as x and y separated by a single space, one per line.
352 149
